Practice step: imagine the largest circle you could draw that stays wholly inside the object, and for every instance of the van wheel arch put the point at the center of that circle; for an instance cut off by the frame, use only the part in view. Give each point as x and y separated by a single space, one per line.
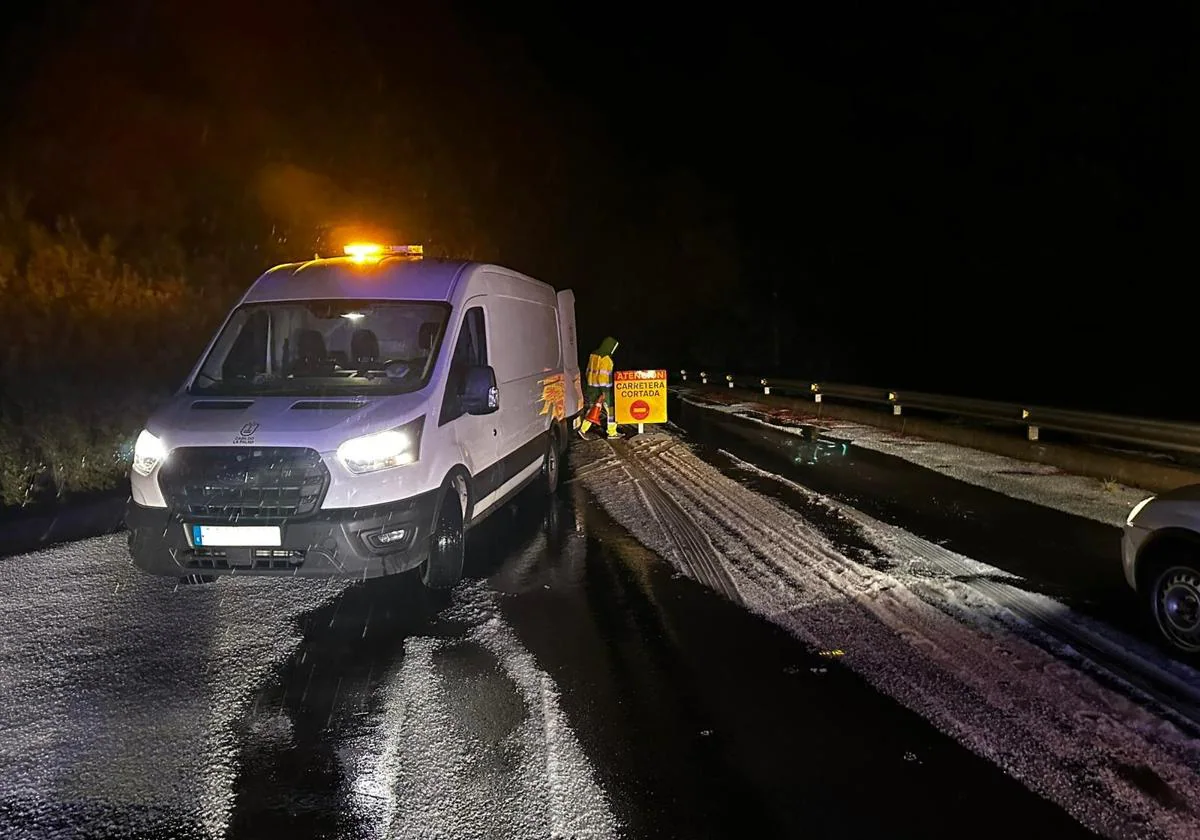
444 563
558 434
459 471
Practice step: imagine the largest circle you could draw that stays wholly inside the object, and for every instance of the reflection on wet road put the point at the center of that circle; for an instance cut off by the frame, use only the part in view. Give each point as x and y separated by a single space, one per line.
573 687
406 714
704 720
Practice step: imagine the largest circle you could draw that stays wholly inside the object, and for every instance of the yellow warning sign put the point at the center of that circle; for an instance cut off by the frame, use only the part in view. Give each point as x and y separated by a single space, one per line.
641 396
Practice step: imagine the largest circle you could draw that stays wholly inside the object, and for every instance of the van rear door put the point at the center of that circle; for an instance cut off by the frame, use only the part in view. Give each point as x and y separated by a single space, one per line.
569 343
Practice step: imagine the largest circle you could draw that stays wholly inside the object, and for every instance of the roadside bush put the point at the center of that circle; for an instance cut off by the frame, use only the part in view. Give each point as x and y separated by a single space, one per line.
90 346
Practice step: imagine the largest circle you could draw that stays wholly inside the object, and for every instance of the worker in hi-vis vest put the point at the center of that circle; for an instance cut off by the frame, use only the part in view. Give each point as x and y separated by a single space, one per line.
599 391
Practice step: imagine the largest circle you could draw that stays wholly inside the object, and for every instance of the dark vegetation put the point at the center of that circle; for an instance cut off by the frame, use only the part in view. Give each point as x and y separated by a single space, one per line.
91 343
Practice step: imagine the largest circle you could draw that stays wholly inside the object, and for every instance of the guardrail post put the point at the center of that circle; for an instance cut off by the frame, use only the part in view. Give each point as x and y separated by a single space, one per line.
1031 431
895 405
766 387
815 388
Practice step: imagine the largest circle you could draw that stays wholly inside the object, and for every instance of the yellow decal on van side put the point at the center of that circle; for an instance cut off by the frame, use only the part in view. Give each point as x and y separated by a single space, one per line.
554 396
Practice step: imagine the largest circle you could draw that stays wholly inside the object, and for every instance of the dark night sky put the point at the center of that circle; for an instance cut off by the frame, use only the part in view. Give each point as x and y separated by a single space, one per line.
988 202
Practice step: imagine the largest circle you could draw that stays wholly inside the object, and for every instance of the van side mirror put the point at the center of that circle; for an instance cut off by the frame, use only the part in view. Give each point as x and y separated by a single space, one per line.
480 394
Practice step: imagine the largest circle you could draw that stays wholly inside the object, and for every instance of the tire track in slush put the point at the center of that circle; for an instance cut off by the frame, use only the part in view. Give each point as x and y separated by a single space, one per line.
1174 694
1035 610
695 551
1112 653
1113 765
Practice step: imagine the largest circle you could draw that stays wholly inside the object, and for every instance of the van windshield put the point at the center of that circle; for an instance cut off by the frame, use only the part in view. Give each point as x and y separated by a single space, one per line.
344 347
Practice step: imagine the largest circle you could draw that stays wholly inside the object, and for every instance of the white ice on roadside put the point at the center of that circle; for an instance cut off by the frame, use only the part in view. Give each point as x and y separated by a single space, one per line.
934 644
1104 501
122 693
470 741
123 690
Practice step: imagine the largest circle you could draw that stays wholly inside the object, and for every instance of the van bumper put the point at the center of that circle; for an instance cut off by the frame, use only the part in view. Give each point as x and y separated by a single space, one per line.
331 543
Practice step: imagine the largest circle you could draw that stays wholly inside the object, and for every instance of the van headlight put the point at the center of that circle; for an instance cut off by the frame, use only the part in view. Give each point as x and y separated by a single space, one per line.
383 450
148 453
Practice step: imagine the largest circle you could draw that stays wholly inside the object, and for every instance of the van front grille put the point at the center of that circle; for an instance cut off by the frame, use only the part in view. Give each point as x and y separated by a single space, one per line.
244 483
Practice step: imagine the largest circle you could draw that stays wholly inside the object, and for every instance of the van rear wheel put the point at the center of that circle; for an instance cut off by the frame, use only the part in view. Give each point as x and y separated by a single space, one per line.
551 464
443 568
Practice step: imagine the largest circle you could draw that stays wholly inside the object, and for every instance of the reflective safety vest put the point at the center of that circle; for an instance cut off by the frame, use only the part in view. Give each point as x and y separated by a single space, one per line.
600 371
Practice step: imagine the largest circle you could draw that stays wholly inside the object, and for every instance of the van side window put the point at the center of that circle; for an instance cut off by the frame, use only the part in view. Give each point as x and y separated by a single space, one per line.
470 351
472 342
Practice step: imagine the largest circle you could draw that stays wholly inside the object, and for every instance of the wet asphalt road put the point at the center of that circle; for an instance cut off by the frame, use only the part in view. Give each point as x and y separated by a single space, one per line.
707 721
378 709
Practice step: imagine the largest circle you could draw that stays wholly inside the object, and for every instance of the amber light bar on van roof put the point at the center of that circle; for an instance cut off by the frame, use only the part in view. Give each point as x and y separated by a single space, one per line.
364 251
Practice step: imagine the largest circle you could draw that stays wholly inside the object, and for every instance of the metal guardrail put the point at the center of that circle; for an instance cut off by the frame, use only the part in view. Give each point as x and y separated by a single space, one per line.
1165 435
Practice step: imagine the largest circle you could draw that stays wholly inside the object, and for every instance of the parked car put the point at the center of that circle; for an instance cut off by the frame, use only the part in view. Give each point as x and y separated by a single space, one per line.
354 416
1160 551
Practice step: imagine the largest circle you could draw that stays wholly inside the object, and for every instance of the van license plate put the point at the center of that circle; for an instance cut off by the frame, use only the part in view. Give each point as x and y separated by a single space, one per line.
244 536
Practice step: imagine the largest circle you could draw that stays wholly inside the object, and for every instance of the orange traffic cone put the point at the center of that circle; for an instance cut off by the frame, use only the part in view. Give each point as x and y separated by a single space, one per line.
592 418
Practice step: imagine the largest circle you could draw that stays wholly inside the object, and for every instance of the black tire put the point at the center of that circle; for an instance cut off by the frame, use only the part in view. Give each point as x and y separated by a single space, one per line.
443 568
551 464
1175 604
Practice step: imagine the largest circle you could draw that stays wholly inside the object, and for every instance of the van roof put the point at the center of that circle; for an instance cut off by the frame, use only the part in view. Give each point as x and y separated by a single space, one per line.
398 278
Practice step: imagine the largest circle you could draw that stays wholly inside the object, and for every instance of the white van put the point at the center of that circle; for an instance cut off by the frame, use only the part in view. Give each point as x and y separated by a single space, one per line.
354 416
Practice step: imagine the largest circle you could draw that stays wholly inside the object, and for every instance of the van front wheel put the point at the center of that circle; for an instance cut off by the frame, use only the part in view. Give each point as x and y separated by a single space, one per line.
443 568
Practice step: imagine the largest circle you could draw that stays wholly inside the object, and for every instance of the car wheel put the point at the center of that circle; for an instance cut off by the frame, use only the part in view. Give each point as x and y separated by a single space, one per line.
551 464
1176 606
443 568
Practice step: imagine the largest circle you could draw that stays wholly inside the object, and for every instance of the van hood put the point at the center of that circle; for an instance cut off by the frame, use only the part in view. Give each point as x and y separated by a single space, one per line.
320 423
